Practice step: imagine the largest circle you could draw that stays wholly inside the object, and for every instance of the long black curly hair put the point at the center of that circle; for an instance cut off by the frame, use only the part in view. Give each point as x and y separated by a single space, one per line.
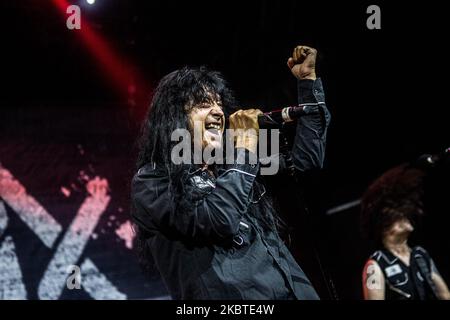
169 108
396 195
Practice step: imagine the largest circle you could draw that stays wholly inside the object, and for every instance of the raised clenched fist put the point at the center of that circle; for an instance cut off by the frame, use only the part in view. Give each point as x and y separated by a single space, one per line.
303 63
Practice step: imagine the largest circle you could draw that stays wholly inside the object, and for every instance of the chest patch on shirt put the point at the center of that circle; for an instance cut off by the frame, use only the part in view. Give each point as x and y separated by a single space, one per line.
393 270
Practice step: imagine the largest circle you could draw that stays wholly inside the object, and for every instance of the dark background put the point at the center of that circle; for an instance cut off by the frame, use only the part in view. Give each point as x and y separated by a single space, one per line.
386 90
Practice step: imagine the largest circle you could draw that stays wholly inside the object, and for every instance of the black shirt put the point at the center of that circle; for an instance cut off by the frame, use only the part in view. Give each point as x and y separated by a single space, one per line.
404 282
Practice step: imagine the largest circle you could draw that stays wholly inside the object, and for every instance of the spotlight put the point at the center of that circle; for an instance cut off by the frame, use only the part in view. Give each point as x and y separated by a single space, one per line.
90 1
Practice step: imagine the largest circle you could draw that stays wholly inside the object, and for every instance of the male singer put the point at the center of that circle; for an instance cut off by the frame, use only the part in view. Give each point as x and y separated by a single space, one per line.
211 229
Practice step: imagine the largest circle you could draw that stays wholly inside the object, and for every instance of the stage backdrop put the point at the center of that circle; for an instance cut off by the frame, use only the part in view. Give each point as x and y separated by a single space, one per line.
65 229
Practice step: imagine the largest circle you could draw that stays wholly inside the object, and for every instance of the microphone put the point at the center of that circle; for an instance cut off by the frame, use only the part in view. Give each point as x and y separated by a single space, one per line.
431 160
276 118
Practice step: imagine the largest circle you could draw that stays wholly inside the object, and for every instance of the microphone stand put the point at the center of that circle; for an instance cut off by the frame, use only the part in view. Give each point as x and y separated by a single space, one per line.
285 149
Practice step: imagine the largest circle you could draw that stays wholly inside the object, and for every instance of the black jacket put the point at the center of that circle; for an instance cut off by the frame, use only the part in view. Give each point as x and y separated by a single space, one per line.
212 243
